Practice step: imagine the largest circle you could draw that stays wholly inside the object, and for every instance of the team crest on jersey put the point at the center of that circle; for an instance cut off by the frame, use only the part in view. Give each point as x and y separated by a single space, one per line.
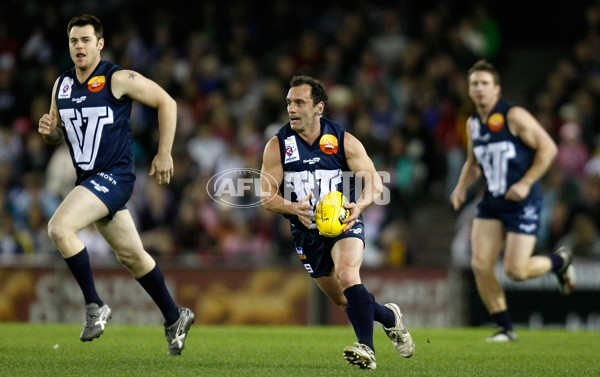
96 83
496 122
291 150
329 144
475 129
65 88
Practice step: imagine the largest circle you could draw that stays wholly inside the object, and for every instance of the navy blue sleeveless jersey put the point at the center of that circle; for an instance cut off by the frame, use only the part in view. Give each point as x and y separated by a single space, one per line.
318 168
97 124
503 157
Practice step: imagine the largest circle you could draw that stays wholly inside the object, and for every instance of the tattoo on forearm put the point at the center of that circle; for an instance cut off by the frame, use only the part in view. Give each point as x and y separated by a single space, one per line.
132 75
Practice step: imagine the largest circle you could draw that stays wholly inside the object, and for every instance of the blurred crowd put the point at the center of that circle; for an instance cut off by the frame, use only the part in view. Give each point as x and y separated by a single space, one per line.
396 78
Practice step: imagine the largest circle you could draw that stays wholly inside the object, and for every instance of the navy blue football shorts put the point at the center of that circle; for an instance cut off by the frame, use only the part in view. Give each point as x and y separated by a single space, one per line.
114 190
314 250
521 217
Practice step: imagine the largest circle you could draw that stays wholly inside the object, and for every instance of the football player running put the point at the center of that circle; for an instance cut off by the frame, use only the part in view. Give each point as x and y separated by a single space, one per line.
90 108
303 162
512 151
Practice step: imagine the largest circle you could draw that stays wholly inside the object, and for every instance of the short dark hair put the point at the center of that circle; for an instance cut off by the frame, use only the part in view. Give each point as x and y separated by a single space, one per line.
87 19
483 65
317 93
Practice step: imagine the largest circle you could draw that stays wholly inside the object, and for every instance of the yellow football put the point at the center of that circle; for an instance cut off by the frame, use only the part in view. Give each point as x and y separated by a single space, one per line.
330 214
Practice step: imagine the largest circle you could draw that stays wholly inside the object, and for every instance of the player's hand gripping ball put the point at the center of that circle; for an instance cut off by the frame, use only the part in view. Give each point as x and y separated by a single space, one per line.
330 214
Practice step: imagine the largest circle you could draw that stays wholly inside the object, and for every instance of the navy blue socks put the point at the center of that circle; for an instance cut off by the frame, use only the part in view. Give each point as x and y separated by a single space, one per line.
557 262
360 313
503 320
383 315
154 283
80 267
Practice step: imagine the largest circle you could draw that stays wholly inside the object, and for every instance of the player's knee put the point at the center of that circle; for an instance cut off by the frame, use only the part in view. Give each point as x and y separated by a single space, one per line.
57 232
481 267
136 261
348 277
128 262
127 259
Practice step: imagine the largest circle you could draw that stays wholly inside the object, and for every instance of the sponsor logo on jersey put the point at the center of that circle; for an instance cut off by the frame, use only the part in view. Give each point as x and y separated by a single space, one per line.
496 122
96 83
291 150
329 144
312 161
79 99
300 253
65 88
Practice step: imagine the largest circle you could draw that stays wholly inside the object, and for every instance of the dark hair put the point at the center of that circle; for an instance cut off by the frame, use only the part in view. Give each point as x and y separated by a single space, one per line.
84 20
317 93
483 65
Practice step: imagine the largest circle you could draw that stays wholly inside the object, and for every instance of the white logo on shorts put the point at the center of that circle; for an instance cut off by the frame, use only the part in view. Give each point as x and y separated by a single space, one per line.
99 187
308 267
527 228
529 213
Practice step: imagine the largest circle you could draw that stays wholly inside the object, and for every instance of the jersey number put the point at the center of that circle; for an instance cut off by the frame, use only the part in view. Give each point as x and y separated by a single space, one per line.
493 159
84 131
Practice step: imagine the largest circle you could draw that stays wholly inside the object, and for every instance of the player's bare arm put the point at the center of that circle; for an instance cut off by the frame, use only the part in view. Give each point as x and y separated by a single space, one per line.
531 132
139 88
469 174
271 179
49 123
362 166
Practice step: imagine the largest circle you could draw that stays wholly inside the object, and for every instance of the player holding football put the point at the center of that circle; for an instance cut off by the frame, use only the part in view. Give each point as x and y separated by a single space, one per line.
305 161
513 151
91 104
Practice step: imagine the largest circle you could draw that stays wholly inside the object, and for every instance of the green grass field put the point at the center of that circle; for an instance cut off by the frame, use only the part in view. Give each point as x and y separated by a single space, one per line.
29 350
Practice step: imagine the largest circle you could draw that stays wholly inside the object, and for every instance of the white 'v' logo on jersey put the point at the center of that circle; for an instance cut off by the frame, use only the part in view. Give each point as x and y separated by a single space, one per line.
84 131
494 158
320 182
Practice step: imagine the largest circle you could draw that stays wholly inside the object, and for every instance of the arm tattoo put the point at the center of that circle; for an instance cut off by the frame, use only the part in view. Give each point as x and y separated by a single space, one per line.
132 75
